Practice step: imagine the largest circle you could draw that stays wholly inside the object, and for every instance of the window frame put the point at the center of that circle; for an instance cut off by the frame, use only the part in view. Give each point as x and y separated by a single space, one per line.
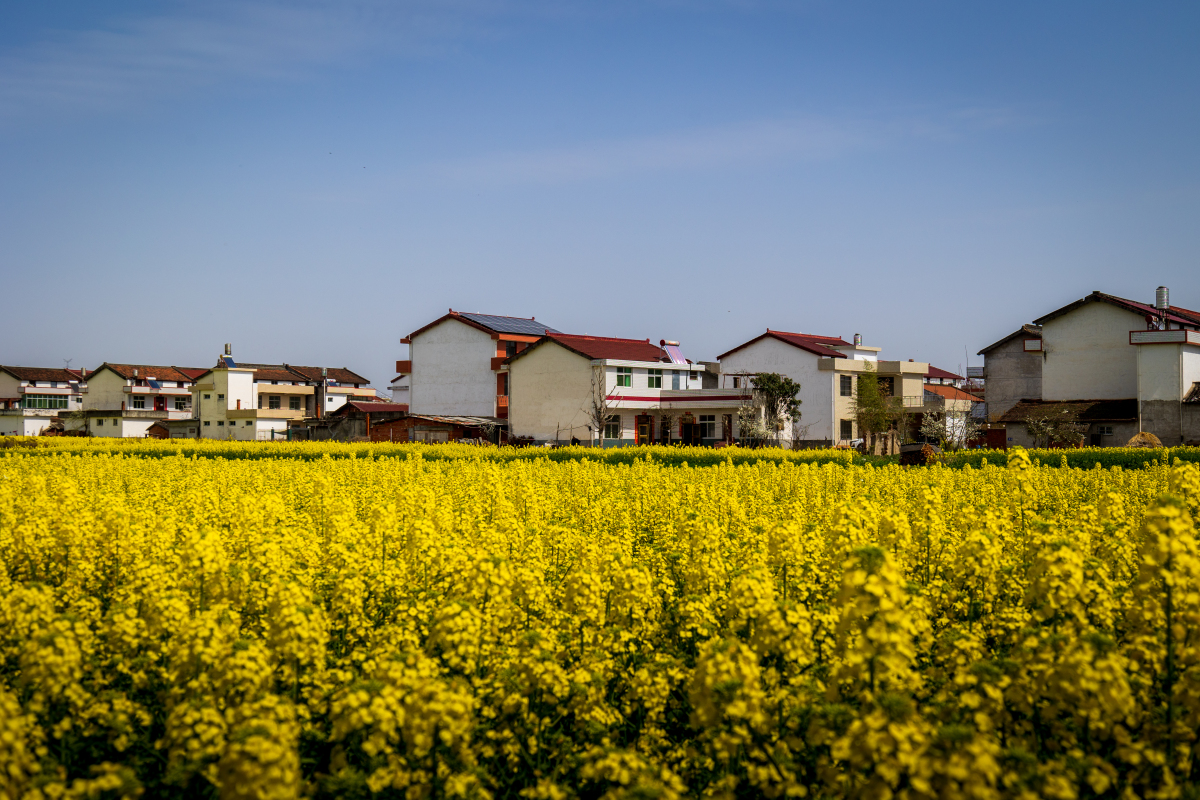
625 377
613 423
294 402
708 426
654 378
274 402
846 386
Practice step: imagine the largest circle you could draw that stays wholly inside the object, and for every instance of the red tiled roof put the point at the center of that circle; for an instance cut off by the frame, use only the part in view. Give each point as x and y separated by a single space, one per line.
595 347
817 345
145 371
950 392
192 372
1174 313
42 373
935 372
275 374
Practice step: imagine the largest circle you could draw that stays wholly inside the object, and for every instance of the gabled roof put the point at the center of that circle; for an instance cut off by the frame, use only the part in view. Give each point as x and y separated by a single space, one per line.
950 392
42 373
1175 314
145 371
1081 410
817 345
492 323
370 408
600 347
934 372
1025 332
290 372
339 374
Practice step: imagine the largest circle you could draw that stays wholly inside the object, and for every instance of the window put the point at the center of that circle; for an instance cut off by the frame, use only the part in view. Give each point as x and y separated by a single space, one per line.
207 423
208 397
737 383
100 423
260 397
273 401
53 384
44 401
180 403
220 397
139 402
329 399
221 423
674 379
624 376
1105 430
708 426
249 422
612 426
692 376
847 429
654 379
510 350
294 403
847 384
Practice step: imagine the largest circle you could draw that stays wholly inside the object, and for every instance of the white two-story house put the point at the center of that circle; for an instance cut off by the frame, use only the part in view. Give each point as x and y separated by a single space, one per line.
653 394
827 369
455 364
124 400
32 398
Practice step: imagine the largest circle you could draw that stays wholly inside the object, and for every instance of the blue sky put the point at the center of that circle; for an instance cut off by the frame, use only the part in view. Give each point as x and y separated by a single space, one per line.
311 182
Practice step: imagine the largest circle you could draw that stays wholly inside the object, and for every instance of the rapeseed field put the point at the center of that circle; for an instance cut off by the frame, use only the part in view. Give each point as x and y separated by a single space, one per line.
270 621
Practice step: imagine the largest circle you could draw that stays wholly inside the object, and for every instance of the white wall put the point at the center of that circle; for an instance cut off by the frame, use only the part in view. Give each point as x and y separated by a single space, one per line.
548 392
20 425
817 387
1191 367
1088 355
451 371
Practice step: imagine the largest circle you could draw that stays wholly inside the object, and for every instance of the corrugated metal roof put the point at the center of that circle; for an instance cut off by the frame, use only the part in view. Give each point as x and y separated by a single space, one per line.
518 325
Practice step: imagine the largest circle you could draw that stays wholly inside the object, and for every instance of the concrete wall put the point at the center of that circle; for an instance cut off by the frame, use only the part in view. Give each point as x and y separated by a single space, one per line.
21 425
451 371
1088 355
1010 375
549 390
818 388
1165 374
106 390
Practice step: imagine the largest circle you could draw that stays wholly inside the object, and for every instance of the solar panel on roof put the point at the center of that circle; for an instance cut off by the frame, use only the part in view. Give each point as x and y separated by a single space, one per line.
673 352
153 383
526 327
229 362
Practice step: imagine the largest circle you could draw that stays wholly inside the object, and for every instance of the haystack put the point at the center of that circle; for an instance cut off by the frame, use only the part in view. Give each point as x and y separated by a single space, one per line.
1144 439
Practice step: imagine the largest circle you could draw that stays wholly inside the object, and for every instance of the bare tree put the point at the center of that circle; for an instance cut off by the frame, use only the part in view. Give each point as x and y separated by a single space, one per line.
950 430
666 421
599 407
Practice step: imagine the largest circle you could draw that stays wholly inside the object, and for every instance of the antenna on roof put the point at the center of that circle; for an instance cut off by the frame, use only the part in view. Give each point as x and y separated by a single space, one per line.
67 362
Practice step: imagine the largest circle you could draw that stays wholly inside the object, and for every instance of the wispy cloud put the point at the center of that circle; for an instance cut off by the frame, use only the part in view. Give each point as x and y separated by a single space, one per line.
144 58
811 138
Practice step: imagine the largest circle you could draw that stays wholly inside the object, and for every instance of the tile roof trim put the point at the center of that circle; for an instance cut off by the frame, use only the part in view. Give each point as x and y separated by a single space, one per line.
812 343
1132 306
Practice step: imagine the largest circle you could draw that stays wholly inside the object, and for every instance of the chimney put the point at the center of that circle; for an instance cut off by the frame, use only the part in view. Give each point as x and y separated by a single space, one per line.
1162 299
858 340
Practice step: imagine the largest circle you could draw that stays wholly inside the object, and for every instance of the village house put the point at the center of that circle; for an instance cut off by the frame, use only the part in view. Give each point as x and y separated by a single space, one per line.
1108 366
454 366
1012 370
33 398
652 394
827 369
125 400
259 401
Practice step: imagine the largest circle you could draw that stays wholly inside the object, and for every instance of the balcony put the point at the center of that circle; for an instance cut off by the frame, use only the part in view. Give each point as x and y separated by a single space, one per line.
497 361
404 367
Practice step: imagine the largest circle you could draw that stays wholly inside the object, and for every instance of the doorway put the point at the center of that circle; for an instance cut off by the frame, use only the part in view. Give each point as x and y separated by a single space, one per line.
643 429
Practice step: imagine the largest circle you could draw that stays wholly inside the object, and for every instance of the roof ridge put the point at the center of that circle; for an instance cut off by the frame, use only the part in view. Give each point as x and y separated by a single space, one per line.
601 338
501 316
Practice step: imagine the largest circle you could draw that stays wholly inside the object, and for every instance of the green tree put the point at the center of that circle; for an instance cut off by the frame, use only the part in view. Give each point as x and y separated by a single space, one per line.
874 411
